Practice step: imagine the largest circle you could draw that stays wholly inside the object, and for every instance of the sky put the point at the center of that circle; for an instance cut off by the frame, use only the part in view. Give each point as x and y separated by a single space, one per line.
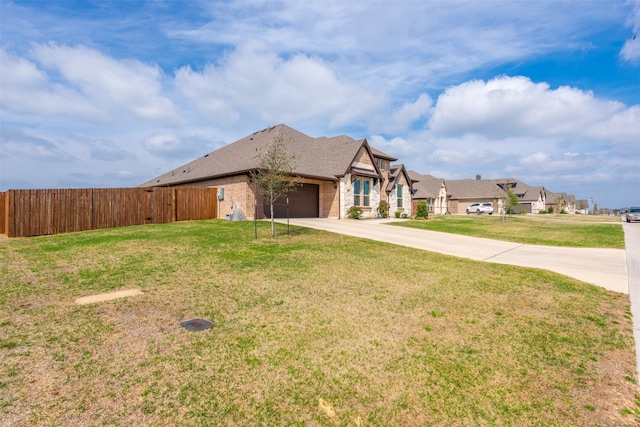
114 93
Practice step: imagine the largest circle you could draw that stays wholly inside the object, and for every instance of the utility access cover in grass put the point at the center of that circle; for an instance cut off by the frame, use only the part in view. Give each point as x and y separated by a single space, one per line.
196 325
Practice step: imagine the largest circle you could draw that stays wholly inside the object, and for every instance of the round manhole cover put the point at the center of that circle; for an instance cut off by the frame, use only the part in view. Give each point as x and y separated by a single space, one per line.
196 325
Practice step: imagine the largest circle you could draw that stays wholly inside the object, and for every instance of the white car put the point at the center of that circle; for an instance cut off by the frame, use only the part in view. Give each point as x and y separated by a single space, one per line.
480 208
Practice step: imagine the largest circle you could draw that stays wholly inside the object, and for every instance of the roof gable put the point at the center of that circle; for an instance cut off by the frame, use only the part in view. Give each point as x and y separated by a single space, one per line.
396 173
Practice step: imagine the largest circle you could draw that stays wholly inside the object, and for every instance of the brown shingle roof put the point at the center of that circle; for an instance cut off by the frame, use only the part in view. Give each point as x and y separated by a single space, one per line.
382 155
425 186
324 158
473 189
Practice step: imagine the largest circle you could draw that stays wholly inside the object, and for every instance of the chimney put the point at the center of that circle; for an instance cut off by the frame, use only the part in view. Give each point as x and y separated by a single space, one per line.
478 177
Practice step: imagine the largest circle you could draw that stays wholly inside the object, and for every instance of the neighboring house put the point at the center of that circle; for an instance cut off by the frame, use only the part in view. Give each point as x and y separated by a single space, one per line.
554 201
532 200
582 207
456 195
432 191
334 174
569 203
462 193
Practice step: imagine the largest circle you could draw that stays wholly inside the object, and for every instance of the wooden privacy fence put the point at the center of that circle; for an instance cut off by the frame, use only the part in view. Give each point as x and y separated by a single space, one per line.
40 212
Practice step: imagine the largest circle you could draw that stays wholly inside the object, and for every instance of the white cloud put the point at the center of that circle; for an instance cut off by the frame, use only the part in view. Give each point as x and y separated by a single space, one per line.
254 83
28 91
175 146
15 142
109 151
402 119
558 164
512 106
116 87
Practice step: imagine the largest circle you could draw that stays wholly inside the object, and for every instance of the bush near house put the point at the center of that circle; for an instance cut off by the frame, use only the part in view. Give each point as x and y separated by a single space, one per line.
383 209
354 212
421 211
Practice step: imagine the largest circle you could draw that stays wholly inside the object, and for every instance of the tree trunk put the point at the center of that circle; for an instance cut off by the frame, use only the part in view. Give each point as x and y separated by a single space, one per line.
273 229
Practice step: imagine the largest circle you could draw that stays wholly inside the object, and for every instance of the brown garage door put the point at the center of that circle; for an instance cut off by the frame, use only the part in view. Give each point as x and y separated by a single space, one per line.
303 203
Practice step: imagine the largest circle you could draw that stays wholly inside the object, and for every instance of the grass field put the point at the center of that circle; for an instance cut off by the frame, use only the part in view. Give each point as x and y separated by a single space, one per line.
586 231
308 329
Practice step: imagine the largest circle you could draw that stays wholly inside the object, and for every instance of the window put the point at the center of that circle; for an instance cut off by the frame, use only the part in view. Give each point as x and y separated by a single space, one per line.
361 192
399 196
366 193
381 164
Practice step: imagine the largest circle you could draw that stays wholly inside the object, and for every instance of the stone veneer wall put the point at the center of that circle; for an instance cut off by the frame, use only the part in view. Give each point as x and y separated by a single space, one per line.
346 198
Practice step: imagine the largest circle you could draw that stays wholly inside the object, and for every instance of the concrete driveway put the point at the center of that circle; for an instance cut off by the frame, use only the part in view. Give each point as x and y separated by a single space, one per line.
602 267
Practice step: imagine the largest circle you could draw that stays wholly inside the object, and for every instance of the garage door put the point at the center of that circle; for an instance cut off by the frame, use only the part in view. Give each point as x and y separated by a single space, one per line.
303 203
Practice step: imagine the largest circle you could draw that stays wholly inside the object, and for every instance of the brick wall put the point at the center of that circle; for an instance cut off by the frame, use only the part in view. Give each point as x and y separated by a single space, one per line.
238 194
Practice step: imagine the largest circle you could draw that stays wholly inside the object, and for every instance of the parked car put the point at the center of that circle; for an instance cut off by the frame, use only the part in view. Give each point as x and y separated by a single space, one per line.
633 214
480 208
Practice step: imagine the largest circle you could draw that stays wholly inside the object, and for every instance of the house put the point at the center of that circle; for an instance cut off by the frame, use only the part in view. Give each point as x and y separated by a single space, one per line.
582 207
462 193
334 173
432 191
532 200
554 202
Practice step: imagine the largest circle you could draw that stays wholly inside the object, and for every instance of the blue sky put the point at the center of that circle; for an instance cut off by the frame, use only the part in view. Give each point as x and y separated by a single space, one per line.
114 93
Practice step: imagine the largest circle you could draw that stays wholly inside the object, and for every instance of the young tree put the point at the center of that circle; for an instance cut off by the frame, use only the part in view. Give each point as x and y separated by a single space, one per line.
511 201
273 177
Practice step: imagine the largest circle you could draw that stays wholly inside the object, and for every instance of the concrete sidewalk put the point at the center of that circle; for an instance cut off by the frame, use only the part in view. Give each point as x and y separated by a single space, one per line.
602 267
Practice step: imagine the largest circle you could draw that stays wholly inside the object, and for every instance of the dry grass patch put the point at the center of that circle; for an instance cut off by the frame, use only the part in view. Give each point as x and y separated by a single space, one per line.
311 328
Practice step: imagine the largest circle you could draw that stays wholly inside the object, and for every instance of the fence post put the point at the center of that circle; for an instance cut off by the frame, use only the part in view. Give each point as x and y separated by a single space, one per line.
11 215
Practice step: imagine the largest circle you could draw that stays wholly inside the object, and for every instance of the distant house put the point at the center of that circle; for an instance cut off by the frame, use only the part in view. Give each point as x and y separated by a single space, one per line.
432 191
456 195
554 202
462 193
532 200
582 206
334 173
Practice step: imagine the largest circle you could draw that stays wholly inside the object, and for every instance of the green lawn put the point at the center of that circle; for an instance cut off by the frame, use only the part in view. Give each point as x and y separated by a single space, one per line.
562 230
308 329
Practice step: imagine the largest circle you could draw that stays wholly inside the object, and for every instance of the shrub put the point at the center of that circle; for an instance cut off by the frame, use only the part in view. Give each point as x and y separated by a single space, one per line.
354 212
550 209
397 214
523 211
563 212
542 212
421 211
405 215
383 209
